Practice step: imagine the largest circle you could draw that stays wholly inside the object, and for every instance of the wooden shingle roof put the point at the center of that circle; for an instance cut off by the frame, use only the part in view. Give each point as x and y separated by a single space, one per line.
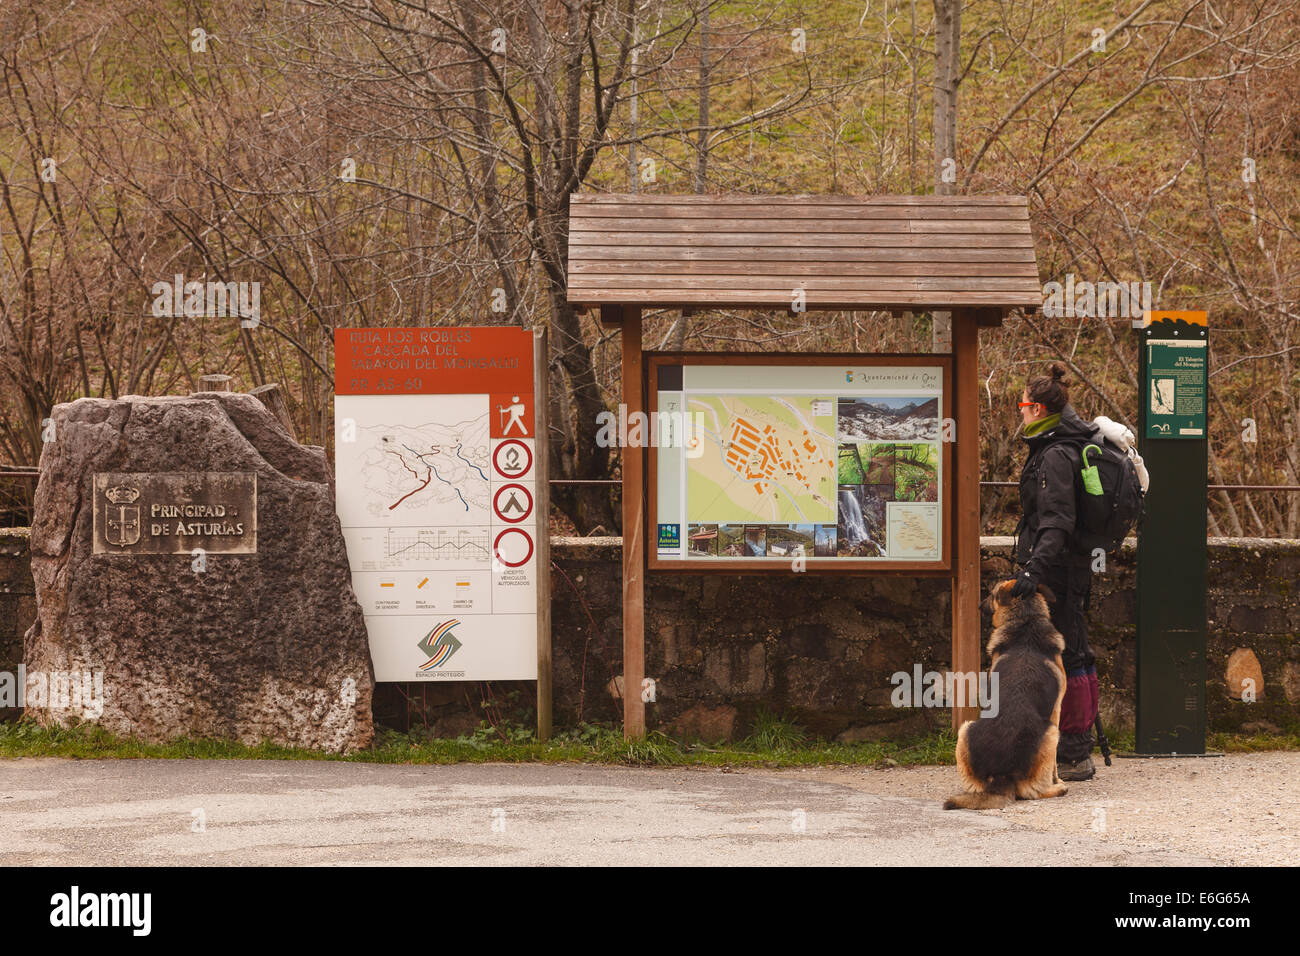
845 252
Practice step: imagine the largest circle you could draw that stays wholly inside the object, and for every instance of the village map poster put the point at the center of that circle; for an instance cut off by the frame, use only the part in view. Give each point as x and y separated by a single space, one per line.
775 464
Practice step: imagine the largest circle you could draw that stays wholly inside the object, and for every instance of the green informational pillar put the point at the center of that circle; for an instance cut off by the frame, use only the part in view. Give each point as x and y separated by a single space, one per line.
1172 554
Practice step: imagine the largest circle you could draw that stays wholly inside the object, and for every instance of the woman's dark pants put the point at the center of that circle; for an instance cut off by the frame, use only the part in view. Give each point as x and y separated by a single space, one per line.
1072 585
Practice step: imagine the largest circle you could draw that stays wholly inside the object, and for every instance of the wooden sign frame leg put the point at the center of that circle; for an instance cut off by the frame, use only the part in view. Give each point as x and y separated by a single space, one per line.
633 543
966 506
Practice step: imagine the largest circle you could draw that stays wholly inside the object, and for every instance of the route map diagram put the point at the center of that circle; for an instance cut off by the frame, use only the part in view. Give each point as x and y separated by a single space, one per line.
768 459
430 474
913 530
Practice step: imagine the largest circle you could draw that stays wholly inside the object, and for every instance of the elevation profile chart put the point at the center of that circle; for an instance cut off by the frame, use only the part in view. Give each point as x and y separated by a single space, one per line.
434 452
423 547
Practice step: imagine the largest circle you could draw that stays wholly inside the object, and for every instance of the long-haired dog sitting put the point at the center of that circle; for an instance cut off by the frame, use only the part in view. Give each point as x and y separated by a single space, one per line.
1013 755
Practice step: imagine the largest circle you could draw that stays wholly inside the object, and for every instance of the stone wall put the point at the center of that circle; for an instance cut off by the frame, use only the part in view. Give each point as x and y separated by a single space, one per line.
819 650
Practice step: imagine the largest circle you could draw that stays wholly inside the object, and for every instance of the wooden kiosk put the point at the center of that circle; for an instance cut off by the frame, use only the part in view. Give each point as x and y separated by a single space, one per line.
970 255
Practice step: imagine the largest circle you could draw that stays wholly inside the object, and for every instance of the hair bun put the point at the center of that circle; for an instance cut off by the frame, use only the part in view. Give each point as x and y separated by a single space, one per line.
1052 390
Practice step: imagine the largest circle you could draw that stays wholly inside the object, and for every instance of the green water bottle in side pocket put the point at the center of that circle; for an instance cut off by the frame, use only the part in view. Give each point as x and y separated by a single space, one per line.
1091 479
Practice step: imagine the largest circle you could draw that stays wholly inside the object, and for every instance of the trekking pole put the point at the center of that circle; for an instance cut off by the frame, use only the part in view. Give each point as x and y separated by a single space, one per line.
1102 742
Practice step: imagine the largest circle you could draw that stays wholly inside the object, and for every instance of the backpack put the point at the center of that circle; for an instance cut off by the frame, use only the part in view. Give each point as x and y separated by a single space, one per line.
1114 484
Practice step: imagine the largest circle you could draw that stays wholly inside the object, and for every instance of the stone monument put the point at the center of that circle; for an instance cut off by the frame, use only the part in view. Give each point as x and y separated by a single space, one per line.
191 578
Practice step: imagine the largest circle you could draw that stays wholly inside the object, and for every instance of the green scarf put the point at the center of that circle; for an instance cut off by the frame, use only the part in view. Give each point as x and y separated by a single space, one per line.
1034 429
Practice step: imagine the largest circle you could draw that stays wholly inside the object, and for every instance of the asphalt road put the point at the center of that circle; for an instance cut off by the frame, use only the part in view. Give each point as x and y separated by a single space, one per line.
227 812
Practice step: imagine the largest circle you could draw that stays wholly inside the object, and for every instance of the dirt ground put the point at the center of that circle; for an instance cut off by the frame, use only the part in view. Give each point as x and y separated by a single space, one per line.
1236 810
1239 809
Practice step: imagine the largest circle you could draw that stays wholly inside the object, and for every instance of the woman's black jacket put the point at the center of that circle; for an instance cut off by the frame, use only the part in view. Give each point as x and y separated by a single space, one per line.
1050 485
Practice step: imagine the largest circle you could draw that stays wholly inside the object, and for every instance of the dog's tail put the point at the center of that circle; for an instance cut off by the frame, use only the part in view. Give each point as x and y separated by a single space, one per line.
977 801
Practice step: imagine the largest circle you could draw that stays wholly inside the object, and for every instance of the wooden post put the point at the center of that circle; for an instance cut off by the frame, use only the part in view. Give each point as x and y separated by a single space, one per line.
272 396
542 494
633 542
215 383
966 506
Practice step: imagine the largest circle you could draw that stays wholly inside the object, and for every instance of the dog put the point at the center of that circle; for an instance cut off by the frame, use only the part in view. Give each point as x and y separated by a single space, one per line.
1013 755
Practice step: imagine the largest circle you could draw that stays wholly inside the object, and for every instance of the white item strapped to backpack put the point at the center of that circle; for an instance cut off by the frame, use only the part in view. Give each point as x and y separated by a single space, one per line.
1122 438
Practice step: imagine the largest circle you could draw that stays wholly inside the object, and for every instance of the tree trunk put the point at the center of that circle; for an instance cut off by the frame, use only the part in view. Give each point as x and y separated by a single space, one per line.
574 453
702 143
947 68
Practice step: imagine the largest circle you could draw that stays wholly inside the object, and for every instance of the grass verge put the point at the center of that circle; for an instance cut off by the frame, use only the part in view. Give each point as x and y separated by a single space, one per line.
774 744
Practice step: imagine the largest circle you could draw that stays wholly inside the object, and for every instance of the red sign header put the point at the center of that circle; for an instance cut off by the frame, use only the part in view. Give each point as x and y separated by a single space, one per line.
462 360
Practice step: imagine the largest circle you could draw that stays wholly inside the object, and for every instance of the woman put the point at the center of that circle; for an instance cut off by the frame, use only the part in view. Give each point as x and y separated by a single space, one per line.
1049 553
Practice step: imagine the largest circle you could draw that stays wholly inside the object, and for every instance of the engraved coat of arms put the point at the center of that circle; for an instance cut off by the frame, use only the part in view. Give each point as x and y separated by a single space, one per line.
123 517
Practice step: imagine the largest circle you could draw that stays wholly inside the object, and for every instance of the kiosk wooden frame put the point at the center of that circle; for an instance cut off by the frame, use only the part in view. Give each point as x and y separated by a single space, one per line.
972 256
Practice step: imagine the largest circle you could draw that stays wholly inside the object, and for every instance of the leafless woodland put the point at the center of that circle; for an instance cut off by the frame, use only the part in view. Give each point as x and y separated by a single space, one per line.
409 162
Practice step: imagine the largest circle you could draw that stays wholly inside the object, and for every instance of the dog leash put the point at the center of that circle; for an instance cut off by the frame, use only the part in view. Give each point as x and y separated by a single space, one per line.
1102 742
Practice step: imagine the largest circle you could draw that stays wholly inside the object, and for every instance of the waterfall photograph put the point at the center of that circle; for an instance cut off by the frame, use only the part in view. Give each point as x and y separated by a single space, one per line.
861 522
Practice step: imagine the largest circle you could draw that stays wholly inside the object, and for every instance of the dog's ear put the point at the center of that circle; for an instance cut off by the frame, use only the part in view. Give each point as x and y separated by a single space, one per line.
1047 594
1002 593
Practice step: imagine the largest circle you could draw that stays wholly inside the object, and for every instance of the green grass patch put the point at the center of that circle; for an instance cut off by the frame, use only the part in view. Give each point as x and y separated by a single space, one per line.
1125 741
775 742
1254 743
775 734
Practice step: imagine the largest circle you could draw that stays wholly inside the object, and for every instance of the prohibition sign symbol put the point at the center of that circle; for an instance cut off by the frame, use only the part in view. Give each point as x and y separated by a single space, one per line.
496 548
521 508
507 459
